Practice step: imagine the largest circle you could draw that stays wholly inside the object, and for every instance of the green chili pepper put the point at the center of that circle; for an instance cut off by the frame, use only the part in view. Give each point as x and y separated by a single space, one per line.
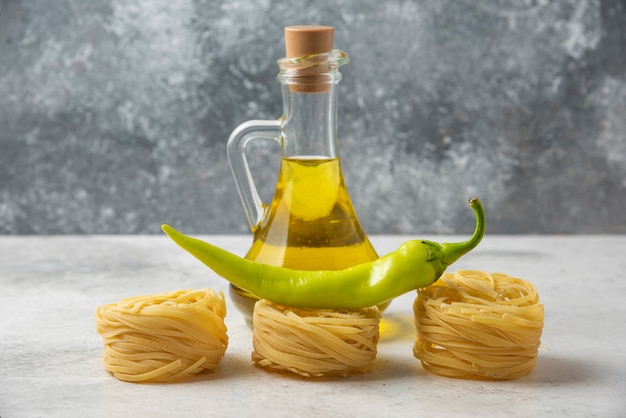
415 264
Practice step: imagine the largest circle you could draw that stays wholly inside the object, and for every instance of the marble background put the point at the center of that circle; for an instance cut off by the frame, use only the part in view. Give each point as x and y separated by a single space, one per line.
114 114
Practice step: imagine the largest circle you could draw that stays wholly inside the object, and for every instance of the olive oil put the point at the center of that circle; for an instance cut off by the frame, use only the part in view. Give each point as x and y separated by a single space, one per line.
310 223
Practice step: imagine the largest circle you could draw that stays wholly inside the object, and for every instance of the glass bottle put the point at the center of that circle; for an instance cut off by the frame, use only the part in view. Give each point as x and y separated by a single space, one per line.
310 223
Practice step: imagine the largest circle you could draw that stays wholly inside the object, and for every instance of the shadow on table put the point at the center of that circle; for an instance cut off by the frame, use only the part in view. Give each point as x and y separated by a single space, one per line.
397 327
557 371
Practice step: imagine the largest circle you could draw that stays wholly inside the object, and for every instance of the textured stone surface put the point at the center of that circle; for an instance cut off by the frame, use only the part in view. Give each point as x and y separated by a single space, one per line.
51 355
114 113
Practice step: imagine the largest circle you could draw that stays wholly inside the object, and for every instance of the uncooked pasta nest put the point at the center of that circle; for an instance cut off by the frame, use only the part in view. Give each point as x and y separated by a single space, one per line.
314 342
476 325
163 337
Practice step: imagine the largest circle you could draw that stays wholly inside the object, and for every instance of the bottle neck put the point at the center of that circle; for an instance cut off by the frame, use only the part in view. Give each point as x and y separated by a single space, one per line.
309 126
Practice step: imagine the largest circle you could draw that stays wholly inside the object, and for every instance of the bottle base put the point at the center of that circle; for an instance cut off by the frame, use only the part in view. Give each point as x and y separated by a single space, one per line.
244 302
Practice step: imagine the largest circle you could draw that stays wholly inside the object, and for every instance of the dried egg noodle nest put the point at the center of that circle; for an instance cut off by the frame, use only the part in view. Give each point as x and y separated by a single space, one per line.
312 342
476 325
163 337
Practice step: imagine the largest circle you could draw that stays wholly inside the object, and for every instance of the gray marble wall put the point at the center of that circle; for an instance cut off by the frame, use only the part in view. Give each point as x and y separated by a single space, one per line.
114 114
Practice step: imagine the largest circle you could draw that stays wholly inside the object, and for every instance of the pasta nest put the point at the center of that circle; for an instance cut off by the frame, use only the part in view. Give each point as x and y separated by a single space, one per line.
476 325
163 337
314 342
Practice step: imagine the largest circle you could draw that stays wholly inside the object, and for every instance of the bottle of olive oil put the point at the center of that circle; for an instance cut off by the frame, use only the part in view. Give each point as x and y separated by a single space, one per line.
310 224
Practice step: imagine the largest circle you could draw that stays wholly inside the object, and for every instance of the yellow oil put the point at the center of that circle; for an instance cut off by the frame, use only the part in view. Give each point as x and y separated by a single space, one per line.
309 225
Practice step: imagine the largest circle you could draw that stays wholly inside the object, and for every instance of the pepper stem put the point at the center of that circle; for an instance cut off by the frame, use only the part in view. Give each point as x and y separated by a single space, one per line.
453 251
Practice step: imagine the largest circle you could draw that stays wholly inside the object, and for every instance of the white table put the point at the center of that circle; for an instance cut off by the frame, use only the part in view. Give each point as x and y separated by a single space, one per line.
50 353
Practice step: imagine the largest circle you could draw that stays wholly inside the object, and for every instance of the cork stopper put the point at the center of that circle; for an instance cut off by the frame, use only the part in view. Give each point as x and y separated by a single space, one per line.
306 40
303 41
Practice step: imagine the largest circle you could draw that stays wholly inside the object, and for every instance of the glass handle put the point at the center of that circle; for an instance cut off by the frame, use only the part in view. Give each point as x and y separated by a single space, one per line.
236 151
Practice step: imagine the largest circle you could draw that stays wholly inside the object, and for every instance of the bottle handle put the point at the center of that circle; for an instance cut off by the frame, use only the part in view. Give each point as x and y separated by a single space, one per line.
253 206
